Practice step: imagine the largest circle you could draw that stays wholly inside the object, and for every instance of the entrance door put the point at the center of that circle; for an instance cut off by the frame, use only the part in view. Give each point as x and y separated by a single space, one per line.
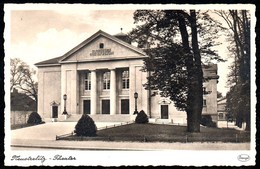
125 106
86 106
54 111
105 106
164 112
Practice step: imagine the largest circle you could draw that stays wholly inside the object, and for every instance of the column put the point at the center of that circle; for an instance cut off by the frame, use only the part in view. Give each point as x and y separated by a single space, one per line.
93 93
112 92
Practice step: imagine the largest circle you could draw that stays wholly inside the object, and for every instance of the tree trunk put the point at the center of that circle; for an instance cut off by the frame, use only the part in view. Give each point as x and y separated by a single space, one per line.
196 89
194 96
248 122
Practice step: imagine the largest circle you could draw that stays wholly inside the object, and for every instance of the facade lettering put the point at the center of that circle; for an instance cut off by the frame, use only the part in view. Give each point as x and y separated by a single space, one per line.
101 52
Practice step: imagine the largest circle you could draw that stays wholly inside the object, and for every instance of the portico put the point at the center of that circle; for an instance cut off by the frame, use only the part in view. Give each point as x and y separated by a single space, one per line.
104 91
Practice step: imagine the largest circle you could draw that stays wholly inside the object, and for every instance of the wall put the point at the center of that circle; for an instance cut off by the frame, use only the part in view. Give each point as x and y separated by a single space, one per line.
49 79
19 117
211 99
137 79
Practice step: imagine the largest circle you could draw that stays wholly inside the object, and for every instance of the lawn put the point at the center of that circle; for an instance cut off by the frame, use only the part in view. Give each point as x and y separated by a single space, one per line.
165 133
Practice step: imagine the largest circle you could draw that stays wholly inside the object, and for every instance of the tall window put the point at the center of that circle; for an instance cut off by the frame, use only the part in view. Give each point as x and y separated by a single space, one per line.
204 90
106 81
204 102
125 79
88 81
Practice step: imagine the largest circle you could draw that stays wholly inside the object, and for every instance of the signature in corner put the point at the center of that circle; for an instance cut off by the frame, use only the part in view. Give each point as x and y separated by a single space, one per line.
243 157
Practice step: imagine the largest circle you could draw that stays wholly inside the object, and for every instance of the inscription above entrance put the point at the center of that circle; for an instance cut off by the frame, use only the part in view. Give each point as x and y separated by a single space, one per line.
101 52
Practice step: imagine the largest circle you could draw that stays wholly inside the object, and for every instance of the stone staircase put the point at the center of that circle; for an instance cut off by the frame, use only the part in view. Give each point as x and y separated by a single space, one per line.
101 118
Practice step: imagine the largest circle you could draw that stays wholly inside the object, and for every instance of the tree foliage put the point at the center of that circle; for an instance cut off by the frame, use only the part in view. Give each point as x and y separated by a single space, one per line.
238 36
177 41
22 78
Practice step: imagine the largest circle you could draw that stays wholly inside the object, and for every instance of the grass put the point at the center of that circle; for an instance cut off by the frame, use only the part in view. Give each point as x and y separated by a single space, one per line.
165 133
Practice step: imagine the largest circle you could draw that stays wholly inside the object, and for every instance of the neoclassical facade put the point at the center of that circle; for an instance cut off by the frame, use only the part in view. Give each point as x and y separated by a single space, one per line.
100 77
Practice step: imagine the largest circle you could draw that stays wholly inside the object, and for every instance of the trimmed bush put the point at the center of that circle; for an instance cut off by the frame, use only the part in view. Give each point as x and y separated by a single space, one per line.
206 120
85 126
34 118
141 117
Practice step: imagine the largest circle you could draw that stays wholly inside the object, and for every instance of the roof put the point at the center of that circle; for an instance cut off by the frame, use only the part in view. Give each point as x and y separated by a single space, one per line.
120 34
58 60
22 102
210 71
50 61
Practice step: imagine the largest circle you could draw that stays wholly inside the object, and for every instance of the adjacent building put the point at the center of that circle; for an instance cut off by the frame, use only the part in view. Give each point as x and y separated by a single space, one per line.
100 76
222 110
21 107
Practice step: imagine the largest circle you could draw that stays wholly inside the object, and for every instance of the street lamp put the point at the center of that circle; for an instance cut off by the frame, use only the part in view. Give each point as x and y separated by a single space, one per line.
64 98
135 96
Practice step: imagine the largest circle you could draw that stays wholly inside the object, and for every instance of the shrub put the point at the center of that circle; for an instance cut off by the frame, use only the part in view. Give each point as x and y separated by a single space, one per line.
206 120
141 117
34 118
85 126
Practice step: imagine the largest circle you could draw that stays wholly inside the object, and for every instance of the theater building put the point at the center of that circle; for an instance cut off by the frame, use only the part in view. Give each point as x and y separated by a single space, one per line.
99 78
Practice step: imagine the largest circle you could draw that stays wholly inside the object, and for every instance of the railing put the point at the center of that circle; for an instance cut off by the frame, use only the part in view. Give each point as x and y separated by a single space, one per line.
59 137
237 138
115 125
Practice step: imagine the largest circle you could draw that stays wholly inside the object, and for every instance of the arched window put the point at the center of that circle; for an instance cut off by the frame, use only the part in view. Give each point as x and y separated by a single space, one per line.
125 79
87 81
106 81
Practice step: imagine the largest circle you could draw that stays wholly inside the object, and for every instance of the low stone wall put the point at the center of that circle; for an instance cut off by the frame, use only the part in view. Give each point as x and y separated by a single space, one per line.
19 117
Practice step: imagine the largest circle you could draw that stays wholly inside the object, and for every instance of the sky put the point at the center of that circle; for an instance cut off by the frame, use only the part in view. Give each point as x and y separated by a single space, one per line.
37 35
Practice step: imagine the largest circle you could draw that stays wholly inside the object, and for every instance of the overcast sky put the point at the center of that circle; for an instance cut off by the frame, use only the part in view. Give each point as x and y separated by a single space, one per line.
37 35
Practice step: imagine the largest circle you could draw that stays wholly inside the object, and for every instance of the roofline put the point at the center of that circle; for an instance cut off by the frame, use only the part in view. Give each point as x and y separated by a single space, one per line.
43 65
44 62
103 59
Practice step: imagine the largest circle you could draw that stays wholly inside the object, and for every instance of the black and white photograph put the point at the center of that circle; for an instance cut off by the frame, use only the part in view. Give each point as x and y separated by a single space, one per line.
129 85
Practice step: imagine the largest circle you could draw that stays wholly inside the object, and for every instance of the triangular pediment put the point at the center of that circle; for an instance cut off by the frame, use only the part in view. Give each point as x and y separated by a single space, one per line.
102 46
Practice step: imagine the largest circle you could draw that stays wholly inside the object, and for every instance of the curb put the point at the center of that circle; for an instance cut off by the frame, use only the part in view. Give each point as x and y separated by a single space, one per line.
82 148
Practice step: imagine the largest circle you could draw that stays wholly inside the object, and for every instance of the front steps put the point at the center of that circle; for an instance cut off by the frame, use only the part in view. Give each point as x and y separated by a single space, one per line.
116 118
100 118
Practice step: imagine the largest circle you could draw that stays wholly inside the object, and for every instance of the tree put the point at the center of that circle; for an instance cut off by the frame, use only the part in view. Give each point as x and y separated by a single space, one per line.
86 126
22 78
238 100
174 64
141 118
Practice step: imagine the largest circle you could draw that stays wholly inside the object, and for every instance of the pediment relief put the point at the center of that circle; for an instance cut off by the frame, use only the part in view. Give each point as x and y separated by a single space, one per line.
104 48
